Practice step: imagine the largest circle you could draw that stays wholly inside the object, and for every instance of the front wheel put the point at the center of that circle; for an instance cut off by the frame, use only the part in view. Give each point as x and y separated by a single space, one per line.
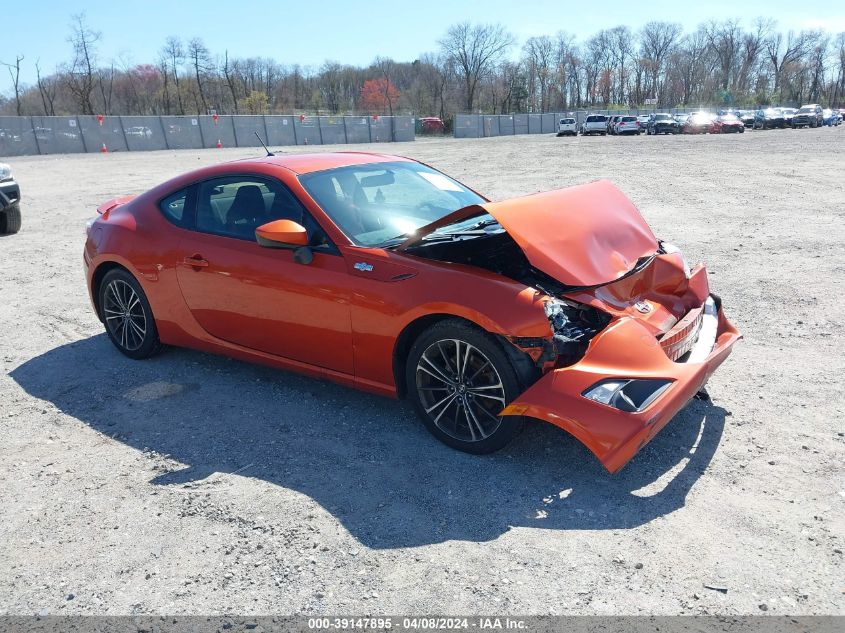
459 379
10 220
127 315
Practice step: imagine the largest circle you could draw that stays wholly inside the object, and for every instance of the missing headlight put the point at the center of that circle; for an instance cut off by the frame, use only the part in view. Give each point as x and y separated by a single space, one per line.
573 326
627 394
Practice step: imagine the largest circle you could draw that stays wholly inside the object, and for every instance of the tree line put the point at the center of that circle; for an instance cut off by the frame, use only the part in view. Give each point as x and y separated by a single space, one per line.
473 68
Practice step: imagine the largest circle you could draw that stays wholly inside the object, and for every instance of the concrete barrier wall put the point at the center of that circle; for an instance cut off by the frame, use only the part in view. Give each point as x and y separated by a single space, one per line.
20 136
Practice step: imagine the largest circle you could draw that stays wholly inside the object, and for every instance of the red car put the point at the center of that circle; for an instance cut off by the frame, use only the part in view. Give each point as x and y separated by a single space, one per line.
698 123
432 125
726 123
381 273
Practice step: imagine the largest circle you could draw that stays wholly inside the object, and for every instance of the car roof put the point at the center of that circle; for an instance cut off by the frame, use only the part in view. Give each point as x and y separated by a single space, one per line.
320 161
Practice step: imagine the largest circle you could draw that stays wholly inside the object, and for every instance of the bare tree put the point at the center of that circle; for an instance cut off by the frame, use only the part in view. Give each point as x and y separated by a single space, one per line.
82 76
784 51
105 79
174 55
230 80
724 39
16 80
657 41
539 57
386 68
201 63
474 50
47 90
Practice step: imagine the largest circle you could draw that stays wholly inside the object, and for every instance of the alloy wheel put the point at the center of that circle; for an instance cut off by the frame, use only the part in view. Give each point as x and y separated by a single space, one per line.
460 390
124 315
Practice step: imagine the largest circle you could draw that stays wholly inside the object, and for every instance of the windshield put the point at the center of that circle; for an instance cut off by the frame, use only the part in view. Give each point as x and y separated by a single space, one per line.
662 117
377 203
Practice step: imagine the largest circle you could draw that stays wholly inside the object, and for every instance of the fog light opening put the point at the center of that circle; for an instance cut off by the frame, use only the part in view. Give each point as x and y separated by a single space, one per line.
627 394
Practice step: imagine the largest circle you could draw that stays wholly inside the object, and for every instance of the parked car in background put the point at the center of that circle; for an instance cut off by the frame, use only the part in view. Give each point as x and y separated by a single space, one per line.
611 123
10 201
561 306
768 118
643 119
680 119
788 113
662 123
698 123
726 123
627 125
594 124
567 126
432 125
809 115
830 117
747 117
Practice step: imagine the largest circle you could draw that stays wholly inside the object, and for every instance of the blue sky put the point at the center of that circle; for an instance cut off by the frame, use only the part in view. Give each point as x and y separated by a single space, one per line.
351 31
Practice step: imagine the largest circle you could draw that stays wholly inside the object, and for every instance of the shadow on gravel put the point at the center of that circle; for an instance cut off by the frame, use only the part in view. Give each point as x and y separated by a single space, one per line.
365 459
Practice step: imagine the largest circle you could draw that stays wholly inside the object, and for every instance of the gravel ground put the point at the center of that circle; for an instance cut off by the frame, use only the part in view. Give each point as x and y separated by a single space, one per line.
195 484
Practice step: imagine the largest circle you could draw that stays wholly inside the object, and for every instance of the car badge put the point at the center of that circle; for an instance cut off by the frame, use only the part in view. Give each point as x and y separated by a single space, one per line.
363 267
643 307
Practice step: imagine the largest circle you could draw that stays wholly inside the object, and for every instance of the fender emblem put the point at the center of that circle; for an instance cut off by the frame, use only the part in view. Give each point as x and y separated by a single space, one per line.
643 307
363 267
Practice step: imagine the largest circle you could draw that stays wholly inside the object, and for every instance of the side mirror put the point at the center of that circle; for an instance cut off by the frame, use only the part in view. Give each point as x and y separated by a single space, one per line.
282 234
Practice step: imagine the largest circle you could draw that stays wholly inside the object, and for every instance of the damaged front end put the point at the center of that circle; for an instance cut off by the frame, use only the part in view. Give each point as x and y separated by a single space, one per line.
634 333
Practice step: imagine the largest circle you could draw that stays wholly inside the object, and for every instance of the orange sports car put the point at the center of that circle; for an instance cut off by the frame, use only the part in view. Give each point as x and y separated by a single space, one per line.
382 273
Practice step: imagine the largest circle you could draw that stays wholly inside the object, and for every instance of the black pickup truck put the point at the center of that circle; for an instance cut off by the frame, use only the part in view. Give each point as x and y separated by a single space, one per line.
10 201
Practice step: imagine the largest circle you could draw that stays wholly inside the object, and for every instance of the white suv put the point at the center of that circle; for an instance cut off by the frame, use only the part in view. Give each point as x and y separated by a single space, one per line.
567 126
594 124
627 125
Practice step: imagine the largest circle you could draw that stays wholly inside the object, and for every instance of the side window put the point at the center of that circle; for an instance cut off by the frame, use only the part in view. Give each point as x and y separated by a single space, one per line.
173 207
234 206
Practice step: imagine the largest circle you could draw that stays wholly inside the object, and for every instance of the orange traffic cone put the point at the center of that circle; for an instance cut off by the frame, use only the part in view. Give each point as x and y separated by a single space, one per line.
104 149
219 144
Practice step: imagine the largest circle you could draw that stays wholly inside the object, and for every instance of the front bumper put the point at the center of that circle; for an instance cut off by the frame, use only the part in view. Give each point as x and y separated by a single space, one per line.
626 349
10 194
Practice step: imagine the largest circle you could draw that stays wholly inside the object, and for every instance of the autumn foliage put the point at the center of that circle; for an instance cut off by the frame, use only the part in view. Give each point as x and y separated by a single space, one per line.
379 96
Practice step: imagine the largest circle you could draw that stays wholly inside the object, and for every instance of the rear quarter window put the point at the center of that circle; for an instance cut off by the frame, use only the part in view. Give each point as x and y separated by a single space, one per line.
173 207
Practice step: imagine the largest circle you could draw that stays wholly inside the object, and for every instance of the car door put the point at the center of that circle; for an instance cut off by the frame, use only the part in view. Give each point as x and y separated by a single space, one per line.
259 297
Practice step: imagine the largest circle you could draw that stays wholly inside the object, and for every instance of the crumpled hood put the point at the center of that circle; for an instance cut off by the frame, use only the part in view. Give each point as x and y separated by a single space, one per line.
584 235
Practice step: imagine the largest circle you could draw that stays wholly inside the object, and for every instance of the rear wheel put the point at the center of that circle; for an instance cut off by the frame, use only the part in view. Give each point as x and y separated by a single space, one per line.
459 379
127 315
10 219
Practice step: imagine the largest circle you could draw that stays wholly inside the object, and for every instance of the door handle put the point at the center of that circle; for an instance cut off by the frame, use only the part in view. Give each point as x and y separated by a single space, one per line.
195 261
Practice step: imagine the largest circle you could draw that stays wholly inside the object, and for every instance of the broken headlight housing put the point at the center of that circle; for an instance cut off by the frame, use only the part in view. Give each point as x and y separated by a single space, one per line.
573 326
667 248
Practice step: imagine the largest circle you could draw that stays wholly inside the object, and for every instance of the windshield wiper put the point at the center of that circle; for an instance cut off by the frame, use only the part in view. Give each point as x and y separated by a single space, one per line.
441 236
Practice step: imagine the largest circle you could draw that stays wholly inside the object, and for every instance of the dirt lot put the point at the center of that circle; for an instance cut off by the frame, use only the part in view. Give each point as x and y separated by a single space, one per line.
195 484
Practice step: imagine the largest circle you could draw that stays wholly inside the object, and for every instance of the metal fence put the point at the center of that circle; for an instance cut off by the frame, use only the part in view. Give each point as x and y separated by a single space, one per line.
78 134
482 125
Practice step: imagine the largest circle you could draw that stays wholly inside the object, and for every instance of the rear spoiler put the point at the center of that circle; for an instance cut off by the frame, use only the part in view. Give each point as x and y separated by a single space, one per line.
114 203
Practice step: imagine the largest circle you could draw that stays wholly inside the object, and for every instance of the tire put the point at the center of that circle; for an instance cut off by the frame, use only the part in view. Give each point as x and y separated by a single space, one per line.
10 220
127 316
458 408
